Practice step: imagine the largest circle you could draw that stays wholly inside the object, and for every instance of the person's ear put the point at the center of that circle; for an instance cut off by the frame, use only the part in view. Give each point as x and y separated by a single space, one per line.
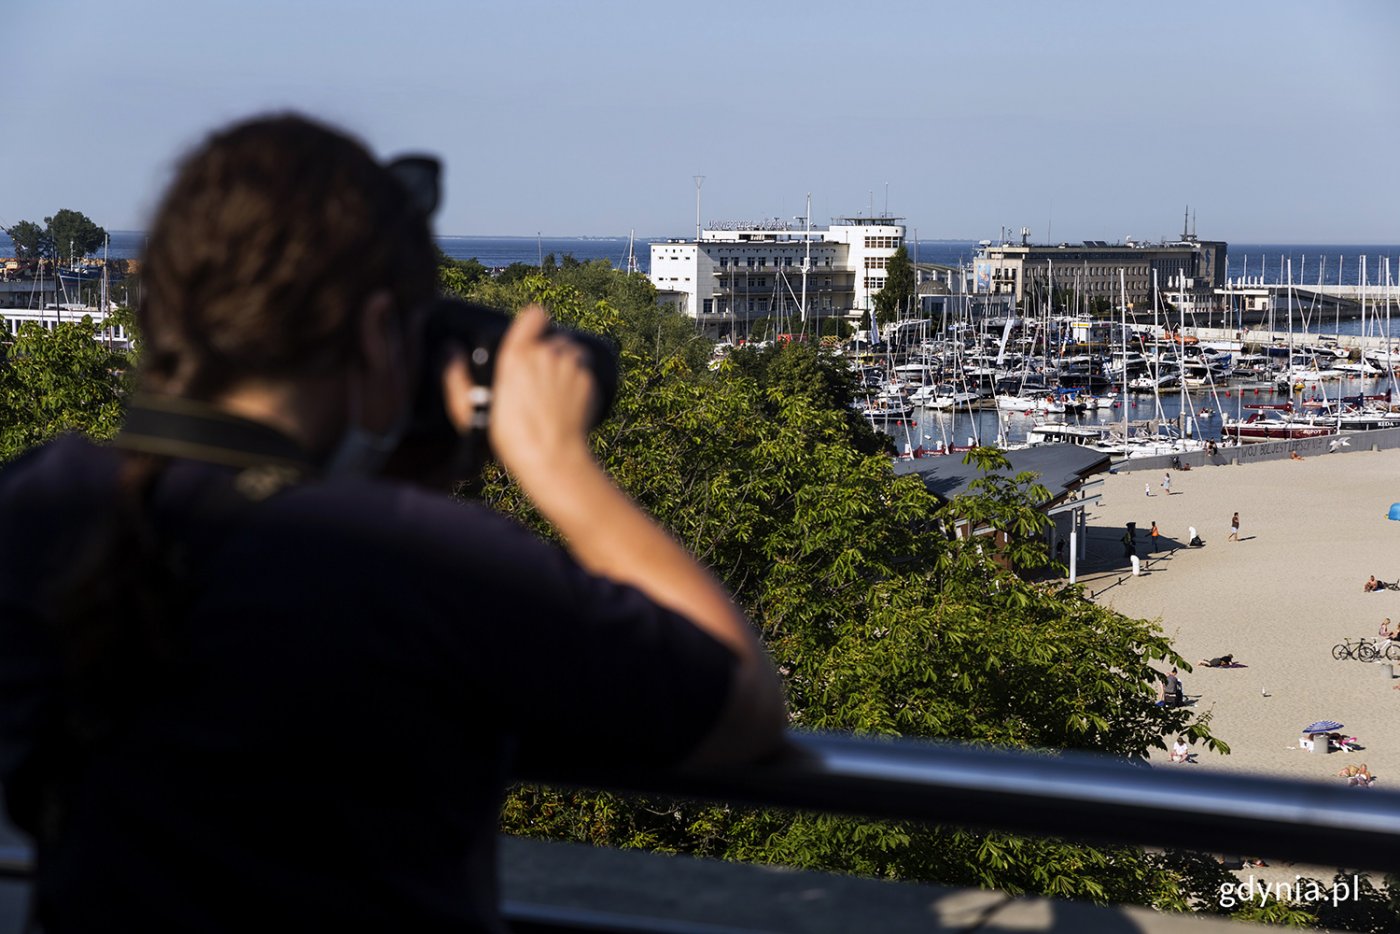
378 340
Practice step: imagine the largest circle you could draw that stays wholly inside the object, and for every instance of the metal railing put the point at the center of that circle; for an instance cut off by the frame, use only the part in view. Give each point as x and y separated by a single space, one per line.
1076 796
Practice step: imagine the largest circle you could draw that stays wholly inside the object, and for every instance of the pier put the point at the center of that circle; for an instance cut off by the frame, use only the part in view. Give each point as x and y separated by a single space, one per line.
1253 302
1249 335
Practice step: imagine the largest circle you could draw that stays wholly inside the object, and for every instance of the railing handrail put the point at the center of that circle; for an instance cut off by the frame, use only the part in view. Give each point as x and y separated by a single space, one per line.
1074 795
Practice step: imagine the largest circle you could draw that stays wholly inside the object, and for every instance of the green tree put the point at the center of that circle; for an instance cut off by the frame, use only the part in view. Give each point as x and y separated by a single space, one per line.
899 287
31 241
797 369
516 272
456 277
52 382
73 235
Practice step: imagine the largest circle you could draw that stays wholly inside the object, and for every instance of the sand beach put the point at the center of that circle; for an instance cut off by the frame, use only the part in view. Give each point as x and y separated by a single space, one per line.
1312 531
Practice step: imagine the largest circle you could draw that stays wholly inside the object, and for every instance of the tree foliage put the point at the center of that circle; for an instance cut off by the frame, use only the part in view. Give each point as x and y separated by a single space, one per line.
52 382
898 289
74 235
30 240
67 236
456 277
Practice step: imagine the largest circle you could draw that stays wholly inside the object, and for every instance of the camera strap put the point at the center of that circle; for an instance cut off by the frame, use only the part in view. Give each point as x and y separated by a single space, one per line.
186 429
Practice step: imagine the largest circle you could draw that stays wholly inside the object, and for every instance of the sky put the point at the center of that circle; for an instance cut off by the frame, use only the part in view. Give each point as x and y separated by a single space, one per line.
1275 121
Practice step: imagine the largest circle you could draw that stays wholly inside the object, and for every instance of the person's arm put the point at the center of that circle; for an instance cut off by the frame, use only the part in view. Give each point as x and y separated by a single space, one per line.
542 400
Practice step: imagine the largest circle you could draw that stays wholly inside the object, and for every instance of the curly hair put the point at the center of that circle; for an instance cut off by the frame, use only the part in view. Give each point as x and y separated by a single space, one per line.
272 235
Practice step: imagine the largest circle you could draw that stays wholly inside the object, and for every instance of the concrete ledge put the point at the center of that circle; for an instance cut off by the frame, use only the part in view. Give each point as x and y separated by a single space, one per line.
548 886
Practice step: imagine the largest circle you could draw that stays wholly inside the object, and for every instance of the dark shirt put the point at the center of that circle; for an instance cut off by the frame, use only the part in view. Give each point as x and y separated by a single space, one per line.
358 667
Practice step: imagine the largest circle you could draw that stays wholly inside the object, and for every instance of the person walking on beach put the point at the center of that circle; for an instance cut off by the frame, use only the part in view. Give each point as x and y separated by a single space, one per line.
1234 528
1152 541
1147 489
1167 483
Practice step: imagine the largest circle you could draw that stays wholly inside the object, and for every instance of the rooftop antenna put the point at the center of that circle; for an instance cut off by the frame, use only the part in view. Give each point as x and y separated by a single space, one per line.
699 180
1186 224
887 199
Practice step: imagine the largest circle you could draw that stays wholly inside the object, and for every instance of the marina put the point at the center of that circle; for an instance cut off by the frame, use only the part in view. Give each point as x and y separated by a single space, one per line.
1175 393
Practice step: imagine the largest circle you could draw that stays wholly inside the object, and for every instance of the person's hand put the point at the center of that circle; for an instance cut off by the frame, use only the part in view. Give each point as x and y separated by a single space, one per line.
542 398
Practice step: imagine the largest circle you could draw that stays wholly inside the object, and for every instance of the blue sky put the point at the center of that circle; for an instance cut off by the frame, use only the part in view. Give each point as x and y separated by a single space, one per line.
1275 120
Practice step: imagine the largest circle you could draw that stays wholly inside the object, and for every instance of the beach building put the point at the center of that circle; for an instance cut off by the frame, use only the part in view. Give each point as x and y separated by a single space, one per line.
1066 471
1189 268
740 272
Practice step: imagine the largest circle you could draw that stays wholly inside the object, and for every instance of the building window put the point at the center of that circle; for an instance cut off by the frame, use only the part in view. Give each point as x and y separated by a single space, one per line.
877 262
709 306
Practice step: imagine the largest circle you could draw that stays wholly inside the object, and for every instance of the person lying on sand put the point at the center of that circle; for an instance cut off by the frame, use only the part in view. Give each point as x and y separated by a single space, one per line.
1220 661
1358 775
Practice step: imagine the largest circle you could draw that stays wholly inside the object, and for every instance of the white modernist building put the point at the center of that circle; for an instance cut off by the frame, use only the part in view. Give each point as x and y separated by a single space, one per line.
738 273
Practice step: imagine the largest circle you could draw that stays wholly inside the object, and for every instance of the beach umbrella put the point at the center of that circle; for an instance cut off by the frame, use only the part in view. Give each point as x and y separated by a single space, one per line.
1322 726
1394 511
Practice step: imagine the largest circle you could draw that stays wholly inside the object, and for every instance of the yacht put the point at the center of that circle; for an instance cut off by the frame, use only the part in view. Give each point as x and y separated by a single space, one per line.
1273 422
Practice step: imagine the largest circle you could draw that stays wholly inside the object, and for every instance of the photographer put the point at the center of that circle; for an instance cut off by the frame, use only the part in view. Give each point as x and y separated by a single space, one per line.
247 681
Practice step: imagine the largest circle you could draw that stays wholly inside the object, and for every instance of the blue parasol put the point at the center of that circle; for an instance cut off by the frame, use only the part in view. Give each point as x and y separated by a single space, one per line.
1394 511
1322 726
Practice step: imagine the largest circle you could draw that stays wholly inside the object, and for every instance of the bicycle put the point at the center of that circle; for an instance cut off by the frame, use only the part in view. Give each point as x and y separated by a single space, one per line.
1363 649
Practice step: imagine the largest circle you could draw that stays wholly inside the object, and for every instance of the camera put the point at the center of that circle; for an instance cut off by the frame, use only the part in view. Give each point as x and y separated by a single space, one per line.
432 451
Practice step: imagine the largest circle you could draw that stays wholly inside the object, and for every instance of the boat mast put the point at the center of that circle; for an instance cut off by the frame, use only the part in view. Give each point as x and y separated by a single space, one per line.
807 265
1389 350
1288 296
102 296
1123 309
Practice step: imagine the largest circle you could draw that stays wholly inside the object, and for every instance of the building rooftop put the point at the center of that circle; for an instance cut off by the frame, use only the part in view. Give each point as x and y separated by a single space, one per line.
1062 467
